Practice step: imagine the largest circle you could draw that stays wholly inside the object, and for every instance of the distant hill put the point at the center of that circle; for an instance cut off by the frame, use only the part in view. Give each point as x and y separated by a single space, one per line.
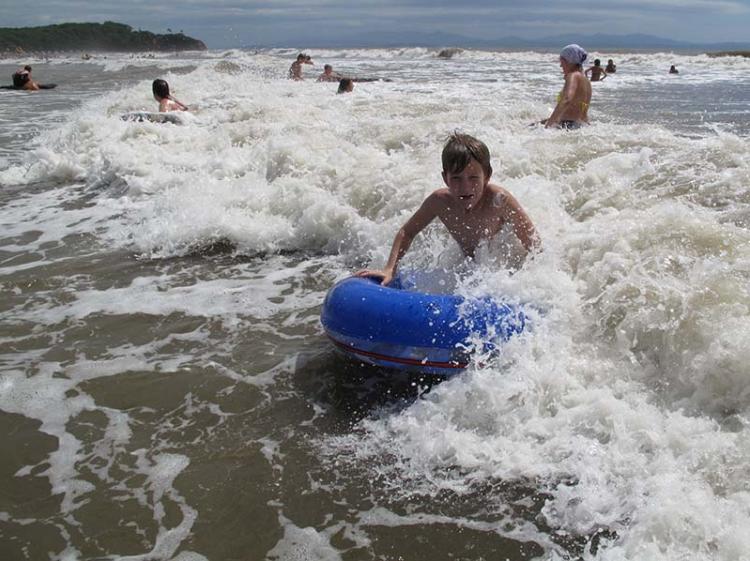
436 39
107 36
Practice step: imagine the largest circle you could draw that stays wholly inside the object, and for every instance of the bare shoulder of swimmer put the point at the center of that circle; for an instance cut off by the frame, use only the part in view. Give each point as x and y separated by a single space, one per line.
500 197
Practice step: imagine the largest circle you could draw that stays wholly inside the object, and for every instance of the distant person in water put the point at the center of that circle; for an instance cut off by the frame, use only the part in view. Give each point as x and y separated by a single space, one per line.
611 67
329 75
165 99
295 70
22 79
573 101
597 72
346 85
673 70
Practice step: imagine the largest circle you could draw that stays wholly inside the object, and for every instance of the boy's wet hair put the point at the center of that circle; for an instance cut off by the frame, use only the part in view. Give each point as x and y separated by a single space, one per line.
461 149
160 88
597 62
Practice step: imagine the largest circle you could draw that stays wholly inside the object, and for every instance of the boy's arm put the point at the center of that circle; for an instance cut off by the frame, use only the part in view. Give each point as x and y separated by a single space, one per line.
523 228
418 221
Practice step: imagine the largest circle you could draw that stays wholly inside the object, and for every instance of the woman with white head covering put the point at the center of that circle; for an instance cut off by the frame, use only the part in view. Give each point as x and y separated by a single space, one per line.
573 101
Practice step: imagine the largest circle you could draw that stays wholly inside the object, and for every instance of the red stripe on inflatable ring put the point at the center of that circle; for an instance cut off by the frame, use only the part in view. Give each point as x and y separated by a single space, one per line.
409 361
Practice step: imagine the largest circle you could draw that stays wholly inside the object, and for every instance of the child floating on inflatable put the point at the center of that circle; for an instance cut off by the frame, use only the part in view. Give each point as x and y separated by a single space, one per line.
166 101
471 208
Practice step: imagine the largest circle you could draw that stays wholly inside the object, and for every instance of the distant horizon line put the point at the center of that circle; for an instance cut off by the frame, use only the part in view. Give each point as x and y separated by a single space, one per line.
631 41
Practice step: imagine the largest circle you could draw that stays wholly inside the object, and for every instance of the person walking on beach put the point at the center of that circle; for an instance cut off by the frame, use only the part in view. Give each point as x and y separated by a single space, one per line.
295 70
573 101
597 72
160 89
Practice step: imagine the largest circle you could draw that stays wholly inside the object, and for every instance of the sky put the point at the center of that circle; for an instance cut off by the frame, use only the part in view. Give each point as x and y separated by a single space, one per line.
297 23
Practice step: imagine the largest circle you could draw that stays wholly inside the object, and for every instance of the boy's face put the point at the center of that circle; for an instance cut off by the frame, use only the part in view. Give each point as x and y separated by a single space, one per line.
467 185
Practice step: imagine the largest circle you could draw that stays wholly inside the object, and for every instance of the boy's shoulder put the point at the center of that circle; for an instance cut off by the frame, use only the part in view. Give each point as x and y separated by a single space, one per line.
500 196
440 196
496 189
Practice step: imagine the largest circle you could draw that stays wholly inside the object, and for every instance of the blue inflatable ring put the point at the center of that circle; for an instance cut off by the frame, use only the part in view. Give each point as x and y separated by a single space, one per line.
394 327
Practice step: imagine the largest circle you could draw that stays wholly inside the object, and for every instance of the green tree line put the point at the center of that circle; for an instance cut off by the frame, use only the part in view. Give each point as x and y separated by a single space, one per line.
107 36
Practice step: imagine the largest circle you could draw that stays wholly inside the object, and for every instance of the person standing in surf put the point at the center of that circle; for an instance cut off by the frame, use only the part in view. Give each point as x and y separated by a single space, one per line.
571 111
597 72
295 70
471 208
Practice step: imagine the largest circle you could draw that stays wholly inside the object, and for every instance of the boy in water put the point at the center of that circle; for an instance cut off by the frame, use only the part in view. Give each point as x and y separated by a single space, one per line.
471 208
160 88
329 75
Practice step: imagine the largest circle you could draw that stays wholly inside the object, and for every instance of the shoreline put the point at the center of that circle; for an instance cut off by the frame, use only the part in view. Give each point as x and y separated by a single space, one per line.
745 54
86 55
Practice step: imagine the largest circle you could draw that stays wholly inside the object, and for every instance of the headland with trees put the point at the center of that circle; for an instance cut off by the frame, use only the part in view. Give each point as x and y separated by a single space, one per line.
91 37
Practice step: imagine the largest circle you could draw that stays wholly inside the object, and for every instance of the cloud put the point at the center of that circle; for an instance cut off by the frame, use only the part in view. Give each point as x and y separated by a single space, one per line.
289 21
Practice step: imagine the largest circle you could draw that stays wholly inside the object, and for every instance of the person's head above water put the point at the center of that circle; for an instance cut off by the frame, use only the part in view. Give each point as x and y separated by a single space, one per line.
574 55
345 85
597 62
160 89
460 150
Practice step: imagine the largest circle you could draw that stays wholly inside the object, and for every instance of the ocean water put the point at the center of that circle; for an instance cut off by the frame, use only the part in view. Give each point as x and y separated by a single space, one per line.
167 392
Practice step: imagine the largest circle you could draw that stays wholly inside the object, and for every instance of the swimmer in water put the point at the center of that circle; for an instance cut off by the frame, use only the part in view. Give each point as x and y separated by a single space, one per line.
160 89
295 70
22 80
611 67
346 85
597 72
673 70
329 75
